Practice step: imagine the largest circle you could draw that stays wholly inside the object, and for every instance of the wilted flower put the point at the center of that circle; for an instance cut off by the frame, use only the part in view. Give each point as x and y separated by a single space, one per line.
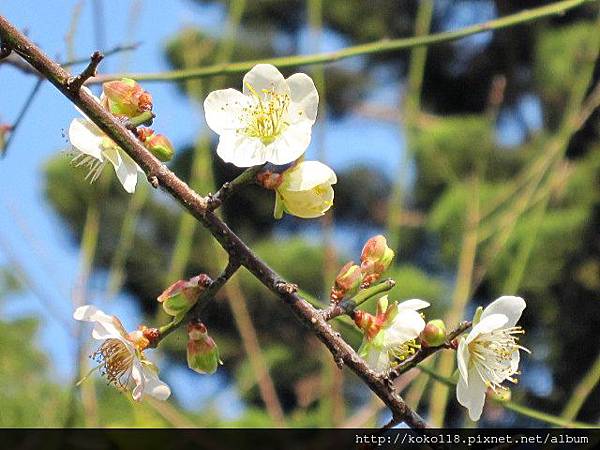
93 148
202 351
121 355
375 258
158 144
390 335
125 97
270 121
179 298
489 354
347 281
305 190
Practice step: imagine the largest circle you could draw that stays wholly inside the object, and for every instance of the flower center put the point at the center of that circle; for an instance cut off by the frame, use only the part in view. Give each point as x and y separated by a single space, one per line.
492 355
401 352
115 360
94 165
267 118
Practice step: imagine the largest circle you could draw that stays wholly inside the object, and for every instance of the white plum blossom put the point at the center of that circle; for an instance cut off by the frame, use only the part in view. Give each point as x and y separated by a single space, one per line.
489 354
396 328
120 356
270 121
93 148
305 190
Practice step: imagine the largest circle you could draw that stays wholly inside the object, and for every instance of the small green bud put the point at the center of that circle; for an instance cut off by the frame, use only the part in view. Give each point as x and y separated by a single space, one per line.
158 144
202 351
179 298
347 282
434 333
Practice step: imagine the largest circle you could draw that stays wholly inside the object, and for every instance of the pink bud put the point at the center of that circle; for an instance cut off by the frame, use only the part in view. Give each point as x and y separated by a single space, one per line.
347 281
179 298
126 97
202 351
375 258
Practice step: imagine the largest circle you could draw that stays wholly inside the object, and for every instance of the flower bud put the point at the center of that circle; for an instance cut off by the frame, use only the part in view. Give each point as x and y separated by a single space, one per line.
160 146
269 180
434 333
368 323
125 97
375 258
179 298
4 130
347 282
202 351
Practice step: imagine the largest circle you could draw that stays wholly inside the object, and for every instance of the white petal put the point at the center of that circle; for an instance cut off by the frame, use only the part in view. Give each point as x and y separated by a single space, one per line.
304 96
127 172
154 386
136 373
414 304
405 326
512 307
308 204
462 359
241 151
291 145
105 326
224 110
487 324
264 76
472 396
86 137
307 175
377 358
514 361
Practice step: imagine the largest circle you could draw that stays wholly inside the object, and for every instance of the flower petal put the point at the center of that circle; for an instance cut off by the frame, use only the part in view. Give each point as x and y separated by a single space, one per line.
264 76
127 171
224 110
512 307
105 326
308 204
304 97
86 137
241 150
291 145
414 304
377 358
462 359
472 396
487 324
307 175
406 325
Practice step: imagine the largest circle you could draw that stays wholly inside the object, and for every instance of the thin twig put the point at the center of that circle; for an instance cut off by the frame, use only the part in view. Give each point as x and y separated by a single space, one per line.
384 46
19 119
75 83
209 293
247 176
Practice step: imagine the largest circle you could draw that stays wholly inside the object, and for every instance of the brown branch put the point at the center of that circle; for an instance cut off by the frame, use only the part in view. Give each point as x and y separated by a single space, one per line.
426 352
197 206
75 83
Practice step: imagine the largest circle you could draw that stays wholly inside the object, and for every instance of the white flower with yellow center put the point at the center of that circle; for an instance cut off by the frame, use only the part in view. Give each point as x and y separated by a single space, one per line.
93 148
305 190
120 357
489 354
270 121
391 336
